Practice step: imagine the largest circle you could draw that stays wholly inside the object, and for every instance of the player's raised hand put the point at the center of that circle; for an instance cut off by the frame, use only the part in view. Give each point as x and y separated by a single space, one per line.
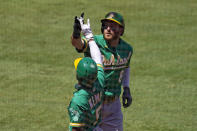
77 27
85 28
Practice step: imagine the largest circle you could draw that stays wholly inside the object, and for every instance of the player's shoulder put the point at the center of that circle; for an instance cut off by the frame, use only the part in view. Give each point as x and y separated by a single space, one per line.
99 36
126 45
99 39
101 77
80 97
81 94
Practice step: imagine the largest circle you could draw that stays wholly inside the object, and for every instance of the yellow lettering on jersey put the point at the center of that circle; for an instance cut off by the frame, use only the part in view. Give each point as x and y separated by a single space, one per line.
111 61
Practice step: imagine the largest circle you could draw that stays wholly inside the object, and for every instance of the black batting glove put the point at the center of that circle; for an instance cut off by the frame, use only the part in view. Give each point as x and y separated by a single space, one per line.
126 97
77 27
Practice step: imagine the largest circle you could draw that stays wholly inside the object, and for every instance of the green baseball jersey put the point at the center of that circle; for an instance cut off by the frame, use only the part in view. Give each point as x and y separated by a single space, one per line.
115 60
84 108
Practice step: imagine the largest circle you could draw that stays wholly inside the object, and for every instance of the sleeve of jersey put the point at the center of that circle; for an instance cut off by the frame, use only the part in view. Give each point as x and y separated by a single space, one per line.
76 114
130 53
100 75
85 46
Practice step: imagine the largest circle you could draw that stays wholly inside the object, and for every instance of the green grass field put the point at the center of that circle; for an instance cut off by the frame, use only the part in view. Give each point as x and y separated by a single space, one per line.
37 76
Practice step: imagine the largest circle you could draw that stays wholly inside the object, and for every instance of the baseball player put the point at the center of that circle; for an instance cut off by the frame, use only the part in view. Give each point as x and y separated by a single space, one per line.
85 107
116 55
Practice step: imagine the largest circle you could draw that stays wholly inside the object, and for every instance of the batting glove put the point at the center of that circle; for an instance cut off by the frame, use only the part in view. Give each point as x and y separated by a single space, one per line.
77 27
85 28
126 97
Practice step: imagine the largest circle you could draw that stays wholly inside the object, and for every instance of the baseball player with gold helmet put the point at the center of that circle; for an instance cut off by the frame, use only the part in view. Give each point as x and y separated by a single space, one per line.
85 107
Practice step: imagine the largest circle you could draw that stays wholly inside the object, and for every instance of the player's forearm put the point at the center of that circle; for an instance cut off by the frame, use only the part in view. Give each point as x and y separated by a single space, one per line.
95 52
77 43
126 77
87 33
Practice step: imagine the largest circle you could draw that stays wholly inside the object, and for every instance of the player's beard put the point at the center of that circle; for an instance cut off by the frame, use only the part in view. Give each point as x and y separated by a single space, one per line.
114 37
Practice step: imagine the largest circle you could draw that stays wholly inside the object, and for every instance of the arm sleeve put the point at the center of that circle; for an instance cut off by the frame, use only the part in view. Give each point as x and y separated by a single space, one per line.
101 76
95 52
77 118
126 77
85 46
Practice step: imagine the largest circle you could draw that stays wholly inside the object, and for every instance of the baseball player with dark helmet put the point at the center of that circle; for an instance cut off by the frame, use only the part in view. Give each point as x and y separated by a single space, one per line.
116 56
85 107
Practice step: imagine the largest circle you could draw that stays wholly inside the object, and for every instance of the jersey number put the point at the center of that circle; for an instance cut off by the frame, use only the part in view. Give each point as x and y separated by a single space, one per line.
98 112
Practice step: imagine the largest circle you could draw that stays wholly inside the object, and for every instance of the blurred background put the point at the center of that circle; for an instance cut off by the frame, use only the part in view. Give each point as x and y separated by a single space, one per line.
37 75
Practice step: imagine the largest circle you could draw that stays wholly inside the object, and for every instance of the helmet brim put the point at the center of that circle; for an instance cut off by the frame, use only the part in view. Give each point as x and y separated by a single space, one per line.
111 19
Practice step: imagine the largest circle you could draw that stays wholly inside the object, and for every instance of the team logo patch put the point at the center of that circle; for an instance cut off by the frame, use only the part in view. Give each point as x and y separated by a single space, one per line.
75 114
110 16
